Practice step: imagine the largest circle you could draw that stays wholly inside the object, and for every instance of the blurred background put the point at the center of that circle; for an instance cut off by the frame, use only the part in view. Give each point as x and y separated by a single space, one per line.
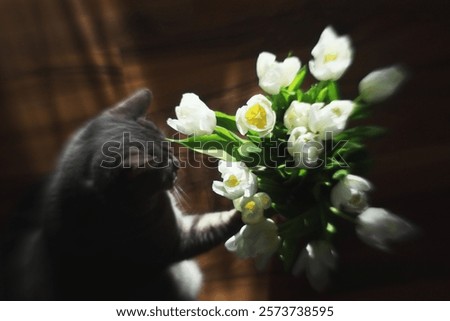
64 61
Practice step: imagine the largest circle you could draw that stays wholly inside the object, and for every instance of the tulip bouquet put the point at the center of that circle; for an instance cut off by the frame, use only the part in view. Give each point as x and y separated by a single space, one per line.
290 163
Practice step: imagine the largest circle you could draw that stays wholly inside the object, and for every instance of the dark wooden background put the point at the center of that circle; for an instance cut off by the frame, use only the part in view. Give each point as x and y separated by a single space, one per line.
62 62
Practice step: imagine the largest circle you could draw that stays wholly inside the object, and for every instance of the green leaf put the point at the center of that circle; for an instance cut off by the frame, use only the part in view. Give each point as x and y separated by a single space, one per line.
228 135
217 153
333 92
345 216
340 174
302 172
313 92
331 228
335 211
279 132
298 80
247 148
280 102
292 231
213 145
286 95
253 137
360 111
322 95
226 121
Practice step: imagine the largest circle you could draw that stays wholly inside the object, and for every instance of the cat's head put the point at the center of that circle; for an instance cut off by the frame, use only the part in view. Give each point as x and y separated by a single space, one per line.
123 151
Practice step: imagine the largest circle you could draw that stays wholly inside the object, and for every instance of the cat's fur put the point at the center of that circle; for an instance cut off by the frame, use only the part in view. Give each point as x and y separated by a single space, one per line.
111 233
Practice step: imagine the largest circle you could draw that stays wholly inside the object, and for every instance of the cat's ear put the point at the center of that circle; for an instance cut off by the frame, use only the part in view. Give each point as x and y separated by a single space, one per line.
135 105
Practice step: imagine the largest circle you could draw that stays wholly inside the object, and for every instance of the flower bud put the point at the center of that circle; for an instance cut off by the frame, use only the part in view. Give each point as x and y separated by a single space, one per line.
380 84
257 116
378 228
350 194
332 56
273 74
194 117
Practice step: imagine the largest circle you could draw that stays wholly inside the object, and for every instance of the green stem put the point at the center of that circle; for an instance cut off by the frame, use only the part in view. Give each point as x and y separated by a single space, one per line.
345 217
298 80
358 99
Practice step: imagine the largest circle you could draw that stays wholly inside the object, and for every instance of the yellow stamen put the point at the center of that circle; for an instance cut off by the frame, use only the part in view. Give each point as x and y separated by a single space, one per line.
337 111
232 181
265 199
355 199
250 205
256 116
330 57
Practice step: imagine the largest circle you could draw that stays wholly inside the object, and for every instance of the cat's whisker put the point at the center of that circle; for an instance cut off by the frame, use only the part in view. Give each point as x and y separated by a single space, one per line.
180 195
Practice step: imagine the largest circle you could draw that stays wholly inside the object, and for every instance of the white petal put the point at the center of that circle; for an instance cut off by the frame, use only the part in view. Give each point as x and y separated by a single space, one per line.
218 187
357 182
273 75
240 122
290 68
180 126
237 244
378 228
296 115
230 244
173 123
259 99
350 194
318 73
339 195
314 117
271 81
224 166
206 125
318 276
331 119
381 83
320 261
300 264
265 199
194 117
327 254
252 185
328 35
339 48
265 59
190 99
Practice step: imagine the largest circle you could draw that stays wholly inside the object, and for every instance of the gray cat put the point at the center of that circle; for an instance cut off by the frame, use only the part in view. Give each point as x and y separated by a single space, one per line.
105 226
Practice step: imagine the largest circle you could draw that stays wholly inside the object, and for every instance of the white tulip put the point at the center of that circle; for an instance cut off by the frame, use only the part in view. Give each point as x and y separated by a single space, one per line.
332 56
304 147
296 115
257 115
259 241
238 180
330 119
194 117
380 84
378 228
317 259
253 207
273 74
350 194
